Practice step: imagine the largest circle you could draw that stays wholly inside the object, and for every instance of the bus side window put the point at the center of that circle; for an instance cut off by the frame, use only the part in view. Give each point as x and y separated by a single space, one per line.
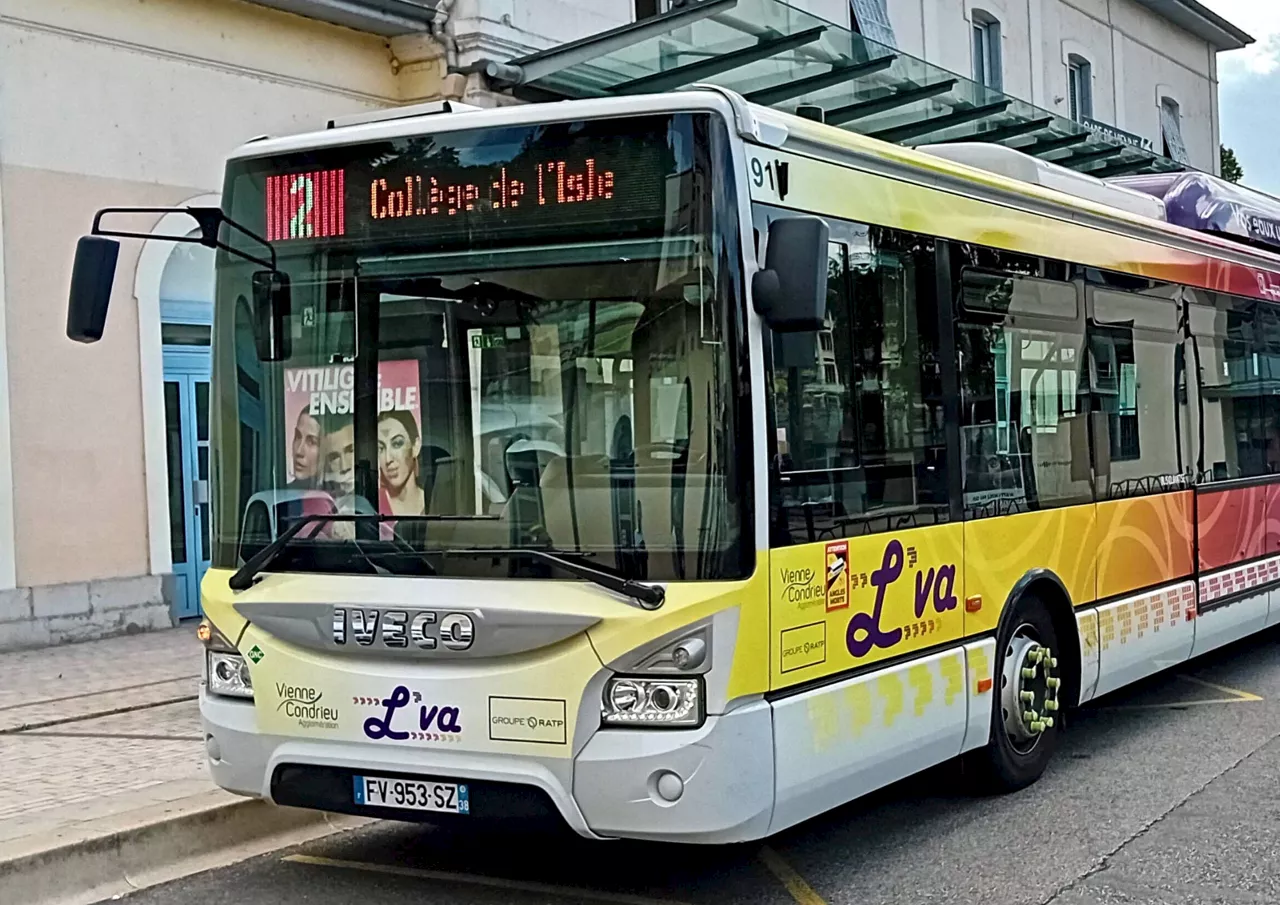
1134 346
1023 394
1238 341
860 445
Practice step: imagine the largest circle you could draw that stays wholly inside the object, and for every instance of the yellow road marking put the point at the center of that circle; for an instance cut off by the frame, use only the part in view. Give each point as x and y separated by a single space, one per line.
476 880
801 891
1237 697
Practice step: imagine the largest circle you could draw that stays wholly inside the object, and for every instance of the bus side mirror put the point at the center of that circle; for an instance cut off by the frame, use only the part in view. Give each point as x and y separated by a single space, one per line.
272 301
791 292
91 278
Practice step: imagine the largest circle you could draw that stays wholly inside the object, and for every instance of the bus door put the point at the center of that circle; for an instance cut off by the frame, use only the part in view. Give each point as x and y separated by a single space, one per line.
1140 423
866 560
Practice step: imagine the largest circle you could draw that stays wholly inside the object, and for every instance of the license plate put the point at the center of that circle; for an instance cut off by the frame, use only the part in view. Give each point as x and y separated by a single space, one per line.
412 794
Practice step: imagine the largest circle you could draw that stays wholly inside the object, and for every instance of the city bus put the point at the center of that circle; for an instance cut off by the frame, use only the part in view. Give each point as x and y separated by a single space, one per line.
674 468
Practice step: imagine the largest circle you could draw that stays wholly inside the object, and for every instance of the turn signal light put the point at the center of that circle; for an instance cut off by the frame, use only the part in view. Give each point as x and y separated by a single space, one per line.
973 604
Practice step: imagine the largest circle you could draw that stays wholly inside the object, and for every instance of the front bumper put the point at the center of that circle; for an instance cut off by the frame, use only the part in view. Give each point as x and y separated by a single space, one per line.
608 790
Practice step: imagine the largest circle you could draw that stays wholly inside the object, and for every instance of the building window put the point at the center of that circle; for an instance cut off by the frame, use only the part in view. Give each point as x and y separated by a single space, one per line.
986 50
1171 130
870 18
1080 87
1116 393
647 9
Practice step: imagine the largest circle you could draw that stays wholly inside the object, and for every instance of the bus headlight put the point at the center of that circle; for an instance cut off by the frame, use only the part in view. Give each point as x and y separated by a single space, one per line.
630 701
229 675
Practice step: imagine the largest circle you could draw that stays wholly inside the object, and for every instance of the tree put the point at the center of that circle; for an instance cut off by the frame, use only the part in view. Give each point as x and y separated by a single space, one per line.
1231 169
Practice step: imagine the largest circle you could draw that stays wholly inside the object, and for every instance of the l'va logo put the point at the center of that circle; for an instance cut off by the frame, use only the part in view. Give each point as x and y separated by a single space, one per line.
440 723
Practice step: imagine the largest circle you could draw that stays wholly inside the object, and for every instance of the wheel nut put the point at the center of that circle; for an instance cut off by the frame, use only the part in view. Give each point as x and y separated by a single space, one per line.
1053 662
1028 696
1051 705
1037 726
1047 722
1029 672
1052 682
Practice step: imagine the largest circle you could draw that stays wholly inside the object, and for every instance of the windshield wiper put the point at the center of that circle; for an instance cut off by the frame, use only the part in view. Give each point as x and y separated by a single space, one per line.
243 578
648 596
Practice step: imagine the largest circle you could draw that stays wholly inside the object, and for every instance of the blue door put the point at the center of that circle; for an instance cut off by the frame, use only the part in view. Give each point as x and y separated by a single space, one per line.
186 414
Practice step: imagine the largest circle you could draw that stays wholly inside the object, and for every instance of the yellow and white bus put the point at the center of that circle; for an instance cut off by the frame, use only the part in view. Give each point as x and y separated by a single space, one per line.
678 469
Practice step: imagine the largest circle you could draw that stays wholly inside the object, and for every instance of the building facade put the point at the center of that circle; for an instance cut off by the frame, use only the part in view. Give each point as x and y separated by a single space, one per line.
103 449
1120 63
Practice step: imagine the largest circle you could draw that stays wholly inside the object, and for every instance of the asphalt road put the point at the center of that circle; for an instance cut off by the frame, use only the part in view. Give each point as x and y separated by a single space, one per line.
1165 793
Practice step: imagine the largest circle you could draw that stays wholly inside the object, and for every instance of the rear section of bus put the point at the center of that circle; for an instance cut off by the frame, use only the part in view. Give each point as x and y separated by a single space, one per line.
482 458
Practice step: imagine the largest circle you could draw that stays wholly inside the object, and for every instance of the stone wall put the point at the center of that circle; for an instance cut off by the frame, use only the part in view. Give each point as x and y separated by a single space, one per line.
83 611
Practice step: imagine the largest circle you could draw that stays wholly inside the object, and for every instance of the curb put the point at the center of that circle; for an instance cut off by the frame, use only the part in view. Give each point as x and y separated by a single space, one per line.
107 858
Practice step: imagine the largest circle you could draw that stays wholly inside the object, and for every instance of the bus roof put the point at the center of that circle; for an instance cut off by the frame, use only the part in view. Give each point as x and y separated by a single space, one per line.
918 166
771 127
433 119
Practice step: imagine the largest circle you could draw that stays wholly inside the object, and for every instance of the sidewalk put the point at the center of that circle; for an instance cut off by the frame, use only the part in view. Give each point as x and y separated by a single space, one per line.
100 749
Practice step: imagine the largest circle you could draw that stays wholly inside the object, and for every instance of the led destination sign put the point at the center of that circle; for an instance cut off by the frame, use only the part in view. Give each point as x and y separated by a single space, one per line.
565 180
553 182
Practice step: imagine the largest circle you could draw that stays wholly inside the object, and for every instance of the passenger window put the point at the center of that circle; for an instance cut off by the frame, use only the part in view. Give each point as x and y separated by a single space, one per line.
1135 352
1237 343
1267 350
857 406
1024 431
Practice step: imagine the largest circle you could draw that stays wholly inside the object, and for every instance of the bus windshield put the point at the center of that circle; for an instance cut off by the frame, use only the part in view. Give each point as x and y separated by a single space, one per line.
520 337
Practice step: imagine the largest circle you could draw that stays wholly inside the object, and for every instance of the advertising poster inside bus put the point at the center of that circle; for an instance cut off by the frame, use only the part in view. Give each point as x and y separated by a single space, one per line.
318 407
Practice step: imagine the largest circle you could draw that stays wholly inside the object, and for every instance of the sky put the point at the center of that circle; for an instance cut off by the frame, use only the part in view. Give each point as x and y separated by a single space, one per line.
1249 90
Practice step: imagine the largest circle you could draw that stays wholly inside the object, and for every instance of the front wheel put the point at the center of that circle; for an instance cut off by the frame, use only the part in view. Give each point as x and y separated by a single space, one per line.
1026 717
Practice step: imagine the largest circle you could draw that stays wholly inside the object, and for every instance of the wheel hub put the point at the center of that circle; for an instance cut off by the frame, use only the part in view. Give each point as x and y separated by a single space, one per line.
1029 690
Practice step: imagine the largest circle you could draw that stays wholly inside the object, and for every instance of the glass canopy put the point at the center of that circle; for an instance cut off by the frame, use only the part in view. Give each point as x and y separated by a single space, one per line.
777 55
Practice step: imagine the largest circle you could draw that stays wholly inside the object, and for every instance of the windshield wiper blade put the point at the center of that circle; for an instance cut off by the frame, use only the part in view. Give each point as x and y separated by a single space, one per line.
650 597
243 578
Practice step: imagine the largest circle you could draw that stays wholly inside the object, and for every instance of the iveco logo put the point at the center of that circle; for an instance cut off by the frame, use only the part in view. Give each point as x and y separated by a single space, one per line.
423 629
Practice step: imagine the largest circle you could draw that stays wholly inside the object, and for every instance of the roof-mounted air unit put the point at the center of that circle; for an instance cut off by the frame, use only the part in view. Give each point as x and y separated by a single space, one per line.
1016 165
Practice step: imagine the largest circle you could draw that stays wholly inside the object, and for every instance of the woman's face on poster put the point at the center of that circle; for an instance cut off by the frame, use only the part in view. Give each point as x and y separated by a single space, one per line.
306 447
397 454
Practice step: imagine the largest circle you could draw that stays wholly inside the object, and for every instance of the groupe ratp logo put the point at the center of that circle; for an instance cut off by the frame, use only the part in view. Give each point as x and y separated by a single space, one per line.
532 721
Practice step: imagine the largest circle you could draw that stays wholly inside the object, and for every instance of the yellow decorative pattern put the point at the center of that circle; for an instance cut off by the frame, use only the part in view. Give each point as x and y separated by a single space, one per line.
920 678
952 669
824 721
858 697
890 688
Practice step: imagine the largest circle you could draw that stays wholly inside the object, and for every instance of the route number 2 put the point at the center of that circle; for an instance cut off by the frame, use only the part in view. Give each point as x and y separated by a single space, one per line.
303 192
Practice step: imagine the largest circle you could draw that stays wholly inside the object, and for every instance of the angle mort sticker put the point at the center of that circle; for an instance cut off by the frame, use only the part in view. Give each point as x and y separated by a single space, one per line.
837 578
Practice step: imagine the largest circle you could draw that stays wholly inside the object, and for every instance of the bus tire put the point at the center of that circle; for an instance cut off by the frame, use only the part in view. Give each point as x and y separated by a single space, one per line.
1024 730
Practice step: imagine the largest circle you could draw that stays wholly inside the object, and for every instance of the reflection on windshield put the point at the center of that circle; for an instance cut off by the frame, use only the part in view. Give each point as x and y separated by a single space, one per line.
570 406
